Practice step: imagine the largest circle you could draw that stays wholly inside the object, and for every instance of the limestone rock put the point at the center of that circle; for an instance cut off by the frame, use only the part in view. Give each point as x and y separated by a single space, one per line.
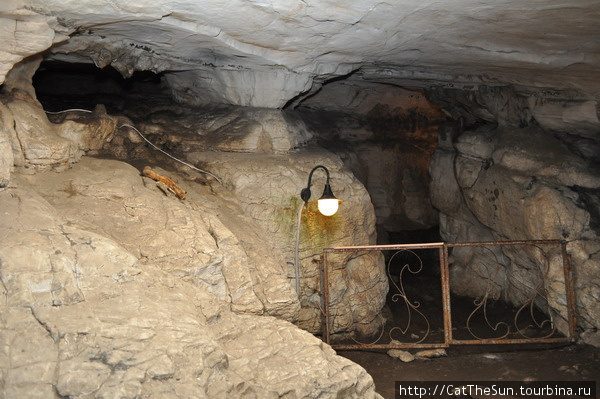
84 316
536 153
7 160
109 197
430 354
405 356
38 143
21 75
268 188
24 32
519 184
386 136
250 88
445 193
236 129
569 116
249 56
37 140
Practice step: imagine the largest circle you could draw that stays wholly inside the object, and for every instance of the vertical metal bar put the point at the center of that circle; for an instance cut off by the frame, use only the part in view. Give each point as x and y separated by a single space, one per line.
570 291
444 271
325 290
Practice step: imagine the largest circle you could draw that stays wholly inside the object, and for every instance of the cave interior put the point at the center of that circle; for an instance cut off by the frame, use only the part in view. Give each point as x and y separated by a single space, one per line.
427 150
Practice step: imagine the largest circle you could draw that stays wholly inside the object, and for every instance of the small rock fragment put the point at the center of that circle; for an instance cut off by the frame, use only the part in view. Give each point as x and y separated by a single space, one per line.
405 356
431 353
164 188
491 356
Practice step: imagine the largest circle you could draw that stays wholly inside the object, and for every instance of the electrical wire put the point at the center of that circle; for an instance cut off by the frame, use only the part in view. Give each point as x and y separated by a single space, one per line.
146 140
68 110
169 155
297 251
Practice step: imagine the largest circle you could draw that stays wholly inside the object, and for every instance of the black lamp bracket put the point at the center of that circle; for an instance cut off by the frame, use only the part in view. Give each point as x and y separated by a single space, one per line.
305 193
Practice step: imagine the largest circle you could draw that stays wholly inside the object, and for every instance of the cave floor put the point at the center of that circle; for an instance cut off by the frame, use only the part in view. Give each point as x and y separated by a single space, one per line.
468 363
484 363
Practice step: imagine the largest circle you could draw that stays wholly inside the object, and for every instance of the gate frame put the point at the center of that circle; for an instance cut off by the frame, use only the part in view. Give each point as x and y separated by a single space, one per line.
442 248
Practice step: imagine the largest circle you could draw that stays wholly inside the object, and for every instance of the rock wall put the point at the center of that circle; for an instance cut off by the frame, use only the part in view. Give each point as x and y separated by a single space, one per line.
262 158
510 183
113 289
85 316
386 135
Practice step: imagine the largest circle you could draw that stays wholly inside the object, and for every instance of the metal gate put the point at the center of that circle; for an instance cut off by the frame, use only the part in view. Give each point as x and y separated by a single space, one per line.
431 318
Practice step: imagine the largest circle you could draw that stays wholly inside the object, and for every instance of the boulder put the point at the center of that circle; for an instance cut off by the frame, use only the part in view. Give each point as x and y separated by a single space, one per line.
182 237
268 190
84 316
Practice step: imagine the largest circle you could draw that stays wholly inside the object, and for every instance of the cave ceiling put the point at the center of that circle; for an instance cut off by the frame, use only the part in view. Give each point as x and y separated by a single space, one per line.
269 53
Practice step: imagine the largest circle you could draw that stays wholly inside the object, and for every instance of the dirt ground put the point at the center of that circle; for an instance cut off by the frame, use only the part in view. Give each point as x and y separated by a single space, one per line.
473 363
469 363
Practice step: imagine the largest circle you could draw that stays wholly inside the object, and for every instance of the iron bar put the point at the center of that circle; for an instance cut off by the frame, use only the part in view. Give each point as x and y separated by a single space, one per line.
509 341
389 346
446 302
445 277
385 247
503 243
570 289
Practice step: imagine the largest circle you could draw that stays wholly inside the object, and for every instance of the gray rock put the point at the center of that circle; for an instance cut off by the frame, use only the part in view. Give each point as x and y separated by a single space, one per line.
405 356
533 189
85 316
268 188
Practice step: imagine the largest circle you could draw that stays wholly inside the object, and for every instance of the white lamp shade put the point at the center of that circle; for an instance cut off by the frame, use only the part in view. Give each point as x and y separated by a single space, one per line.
328 206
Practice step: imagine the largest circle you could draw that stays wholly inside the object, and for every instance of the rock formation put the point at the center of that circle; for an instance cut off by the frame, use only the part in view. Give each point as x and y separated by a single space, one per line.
477 116
86 316
519 183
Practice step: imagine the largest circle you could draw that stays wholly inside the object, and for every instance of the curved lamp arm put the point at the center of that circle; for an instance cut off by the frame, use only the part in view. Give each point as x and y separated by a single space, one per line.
328 203
305 193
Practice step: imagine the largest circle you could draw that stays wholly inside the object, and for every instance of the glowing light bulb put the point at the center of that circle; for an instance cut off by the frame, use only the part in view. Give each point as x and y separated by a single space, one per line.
328 206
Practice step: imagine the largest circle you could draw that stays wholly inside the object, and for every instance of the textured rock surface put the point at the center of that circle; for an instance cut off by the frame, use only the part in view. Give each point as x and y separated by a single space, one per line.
264 53
514 184
7 159
268 189
266 181
84 317
182 238
40 144
231 129
24 32
386 136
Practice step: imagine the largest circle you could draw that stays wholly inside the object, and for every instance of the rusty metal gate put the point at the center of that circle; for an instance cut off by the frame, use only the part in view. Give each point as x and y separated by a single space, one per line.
543 299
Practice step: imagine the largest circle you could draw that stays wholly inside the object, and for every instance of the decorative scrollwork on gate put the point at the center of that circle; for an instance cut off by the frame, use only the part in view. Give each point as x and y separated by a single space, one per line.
399 295
492 321
535 329
411 306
